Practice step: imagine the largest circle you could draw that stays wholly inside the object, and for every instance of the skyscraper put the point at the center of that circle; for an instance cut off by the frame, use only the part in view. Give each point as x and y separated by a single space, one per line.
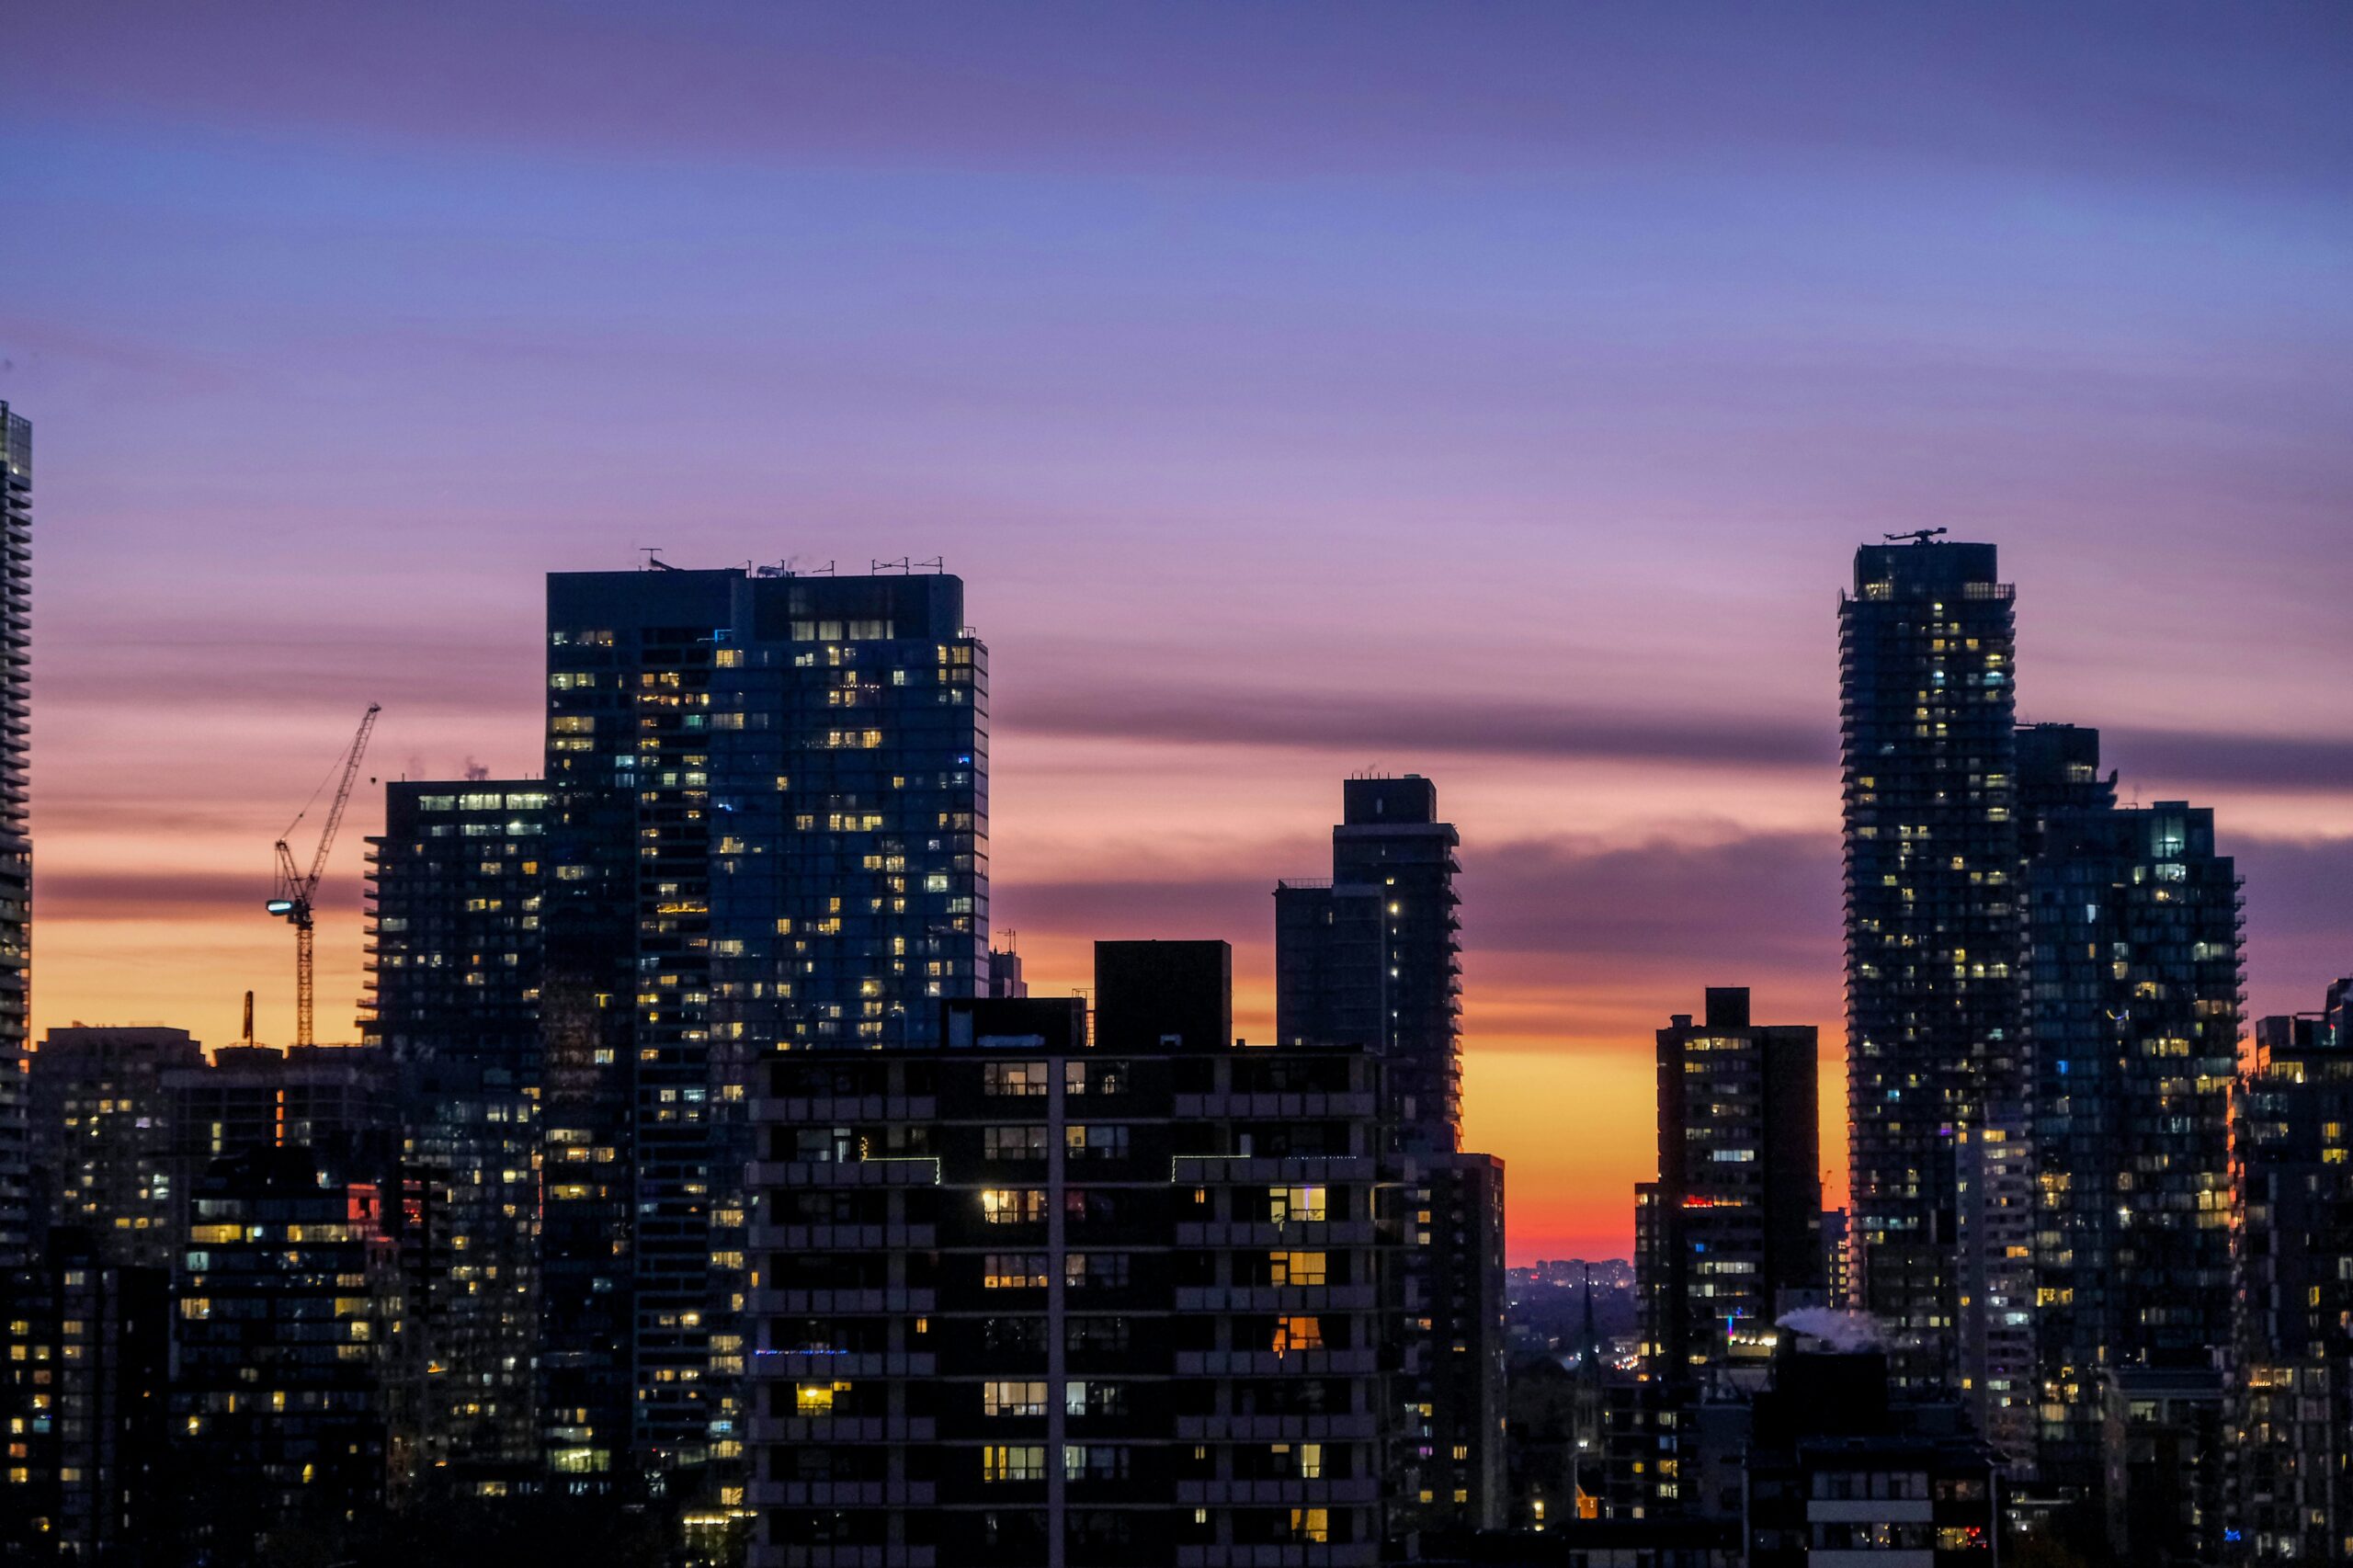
1735 1216
1926 641
454 886
1373 957
15 843
2292 1140
2132 970
792 775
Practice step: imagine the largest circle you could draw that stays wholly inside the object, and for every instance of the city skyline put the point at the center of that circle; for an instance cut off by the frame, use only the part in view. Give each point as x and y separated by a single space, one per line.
1779 970
1516 445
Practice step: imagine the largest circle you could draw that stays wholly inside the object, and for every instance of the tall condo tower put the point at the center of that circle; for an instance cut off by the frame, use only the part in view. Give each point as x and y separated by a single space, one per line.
1926 642
16 844
2133 968
1735 1216
456 887
1374 956
782 781
1372 959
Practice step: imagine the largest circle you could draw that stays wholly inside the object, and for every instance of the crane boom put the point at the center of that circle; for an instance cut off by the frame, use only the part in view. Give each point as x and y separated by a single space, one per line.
342 796
297 888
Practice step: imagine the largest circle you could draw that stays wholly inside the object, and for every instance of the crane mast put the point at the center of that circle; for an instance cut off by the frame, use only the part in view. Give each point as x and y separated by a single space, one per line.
298 887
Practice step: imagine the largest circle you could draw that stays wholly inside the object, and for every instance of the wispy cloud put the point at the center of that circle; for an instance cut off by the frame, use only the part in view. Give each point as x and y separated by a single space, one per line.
1415 724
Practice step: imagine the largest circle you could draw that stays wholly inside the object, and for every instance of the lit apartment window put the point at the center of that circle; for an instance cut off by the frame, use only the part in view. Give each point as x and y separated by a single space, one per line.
1295 1268
1287 1203
1297 1333
1013 1399
1014 1462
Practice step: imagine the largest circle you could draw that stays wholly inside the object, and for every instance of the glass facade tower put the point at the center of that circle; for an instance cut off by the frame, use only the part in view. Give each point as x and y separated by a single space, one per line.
791 773
2132 971
1926 641
15 843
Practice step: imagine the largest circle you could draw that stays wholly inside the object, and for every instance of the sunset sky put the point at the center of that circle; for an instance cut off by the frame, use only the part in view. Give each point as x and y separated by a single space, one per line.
1495 392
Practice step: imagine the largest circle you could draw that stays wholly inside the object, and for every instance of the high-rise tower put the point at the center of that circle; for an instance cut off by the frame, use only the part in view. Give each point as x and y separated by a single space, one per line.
2293 1220
1374 958
1736 1215
781 782
2133 965
15 843
456 883
1927 641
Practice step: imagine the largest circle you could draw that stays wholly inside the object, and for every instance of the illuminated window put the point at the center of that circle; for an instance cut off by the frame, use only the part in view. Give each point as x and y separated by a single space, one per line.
1297 1333
1013 1205
1287 1203
1295 1268
1016 1078
1014 1462
816 1398
1013 1399
1311 1525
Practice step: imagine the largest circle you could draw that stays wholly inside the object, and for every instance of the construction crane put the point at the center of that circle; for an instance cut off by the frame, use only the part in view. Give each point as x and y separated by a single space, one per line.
296 888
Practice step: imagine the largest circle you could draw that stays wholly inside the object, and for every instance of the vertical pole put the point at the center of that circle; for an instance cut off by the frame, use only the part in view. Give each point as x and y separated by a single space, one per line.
303 981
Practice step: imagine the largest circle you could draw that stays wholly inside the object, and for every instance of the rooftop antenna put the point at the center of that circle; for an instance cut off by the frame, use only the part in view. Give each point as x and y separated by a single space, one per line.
938 563
653 562
878 567
1917 535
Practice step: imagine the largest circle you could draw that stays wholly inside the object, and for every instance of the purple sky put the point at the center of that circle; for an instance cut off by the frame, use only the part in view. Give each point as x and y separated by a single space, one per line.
1492 391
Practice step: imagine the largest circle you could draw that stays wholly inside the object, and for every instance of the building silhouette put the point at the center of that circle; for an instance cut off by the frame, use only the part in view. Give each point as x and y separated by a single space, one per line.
2132 968
456 884
1374 956
2292 1396
288 1387
85 1359
1839 1468
770 834
455 889
1029 1297
17 1202
101 1136
1926 650
1734 1217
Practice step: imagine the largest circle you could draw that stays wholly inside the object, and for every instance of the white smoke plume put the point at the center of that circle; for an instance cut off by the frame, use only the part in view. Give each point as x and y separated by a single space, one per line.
1844 1332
